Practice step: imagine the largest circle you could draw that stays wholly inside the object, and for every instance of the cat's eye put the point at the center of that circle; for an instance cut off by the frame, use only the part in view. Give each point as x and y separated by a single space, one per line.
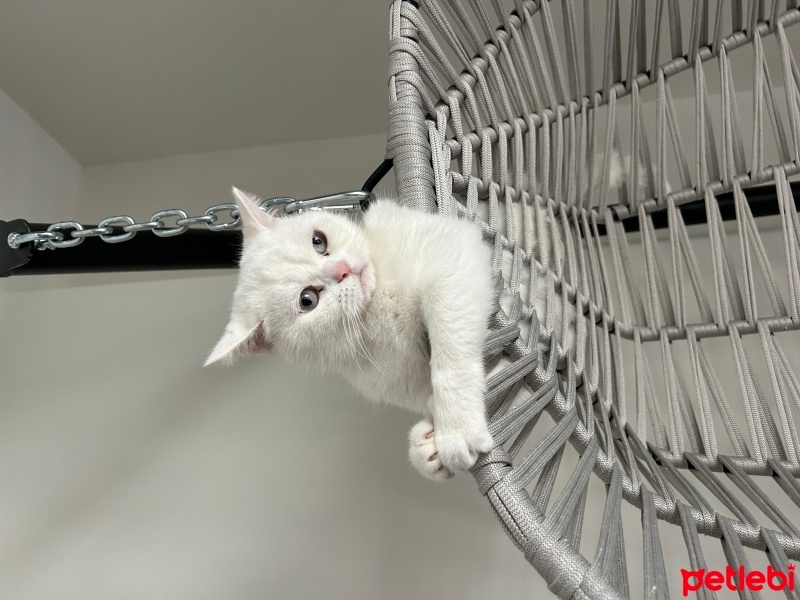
319 241
309 298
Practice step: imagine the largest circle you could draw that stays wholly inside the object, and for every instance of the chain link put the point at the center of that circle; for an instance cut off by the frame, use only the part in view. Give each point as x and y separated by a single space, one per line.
123 220
162 230
61 230
15 240
220 217
221 208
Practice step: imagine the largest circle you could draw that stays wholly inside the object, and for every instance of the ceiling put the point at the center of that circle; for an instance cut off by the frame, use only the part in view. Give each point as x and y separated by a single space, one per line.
123 80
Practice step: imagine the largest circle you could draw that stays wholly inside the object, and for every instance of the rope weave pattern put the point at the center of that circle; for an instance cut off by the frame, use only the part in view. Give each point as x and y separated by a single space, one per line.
512 113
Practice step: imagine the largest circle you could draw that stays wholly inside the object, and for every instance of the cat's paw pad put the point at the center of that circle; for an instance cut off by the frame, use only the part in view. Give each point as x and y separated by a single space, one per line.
439 454
423 453
459 448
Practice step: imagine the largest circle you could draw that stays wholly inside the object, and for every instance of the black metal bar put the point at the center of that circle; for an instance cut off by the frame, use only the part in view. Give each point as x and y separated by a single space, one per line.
194 249
762 200
202 249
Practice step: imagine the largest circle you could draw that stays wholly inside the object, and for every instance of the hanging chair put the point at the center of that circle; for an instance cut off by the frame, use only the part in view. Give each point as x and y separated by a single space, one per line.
632 455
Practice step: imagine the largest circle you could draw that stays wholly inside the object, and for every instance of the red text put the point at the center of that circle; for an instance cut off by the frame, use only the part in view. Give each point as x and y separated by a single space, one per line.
737 579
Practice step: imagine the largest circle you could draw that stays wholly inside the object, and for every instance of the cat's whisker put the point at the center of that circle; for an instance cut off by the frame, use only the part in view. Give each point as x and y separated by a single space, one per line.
359 343
355 343
363 343
348 334
359 328
354 324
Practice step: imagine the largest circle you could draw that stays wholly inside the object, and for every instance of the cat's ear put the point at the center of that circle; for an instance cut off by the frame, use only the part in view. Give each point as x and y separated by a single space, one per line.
254 220
239 339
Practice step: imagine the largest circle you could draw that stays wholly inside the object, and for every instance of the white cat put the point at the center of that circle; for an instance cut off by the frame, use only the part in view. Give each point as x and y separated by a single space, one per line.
398 305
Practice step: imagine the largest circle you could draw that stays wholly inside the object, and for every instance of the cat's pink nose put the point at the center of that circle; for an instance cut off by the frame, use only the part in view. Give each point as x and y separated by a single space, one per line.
342 270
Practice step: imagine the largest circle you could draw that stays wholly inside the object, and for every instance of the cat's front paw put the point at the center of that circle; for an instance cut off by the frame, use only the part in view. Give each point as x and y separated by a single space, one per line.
438 454
423 453
459 447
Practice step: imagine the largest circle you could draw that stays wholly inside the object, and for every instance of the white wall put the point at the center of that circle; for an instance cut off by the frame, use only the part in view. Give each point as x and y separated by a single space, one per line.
131 472
38 179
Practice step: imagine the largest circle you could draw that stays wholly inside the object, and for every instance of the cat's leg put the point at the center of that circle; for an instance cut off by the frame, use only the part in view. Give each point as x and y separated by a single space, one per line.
423 454
455 315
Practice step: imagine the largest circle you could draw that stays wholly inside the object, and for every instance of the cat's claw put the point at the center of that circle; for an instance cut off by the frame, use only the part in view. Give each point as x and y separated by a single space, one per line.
439 455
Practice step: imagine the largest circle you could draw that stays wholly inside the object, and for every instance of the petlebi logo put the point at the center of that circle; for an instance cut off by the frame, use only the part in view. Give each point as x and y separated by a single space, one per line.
738 579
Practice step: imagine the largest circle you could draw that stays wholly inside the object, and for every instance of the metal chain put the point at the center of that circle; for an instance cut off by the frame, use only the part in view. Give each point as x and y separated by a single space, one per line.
66 234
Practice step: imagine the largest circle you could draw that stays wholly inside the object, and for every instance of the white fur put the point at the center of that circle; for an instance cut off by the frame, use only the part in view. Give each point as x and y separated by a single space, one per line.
407 327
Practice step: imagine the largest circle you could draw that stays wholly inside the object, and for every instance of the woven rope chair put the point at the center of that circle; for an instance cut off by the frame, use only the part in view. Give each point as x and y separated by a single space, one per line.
632 454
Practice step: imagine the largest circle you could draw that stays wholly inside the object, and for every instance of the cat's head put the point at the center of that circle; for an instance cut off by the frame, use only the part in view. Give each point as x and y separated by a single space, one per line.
304 283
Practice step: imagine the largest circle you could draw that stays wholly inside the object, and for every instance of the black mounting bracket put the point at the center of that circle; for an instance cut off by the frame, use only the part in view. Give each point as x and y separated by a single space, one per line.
13 258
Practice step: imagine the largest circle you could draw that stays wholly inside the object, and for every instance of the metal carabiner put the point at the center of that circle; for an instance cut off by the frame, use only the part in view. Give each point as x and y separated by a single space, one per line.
343 201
